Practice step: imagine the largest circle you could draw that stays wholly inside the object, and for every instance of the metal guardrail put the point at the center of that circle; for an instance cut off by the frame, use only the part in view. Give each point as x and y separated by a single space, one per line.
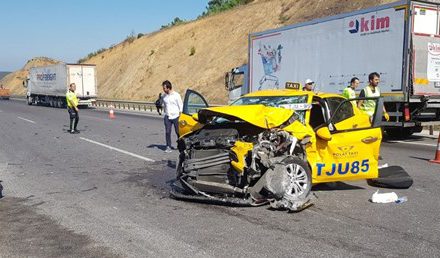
119 104
124 104
132 105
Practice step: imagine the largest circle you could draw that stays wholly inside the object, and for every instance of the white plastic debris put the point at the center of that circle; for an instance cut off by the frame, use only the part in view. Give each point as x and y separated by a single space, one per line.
383 166
384 197
402 199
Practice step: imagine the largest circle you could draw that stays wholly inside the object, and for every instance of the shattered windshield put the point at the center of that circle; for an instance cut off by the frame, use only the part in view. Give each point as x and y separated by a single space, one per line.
297 103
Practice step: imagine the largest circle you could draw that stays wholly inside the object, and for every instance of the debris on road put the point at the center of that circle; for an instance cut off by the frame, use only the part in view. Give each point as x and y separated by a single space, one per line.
384 197
402 199
393 177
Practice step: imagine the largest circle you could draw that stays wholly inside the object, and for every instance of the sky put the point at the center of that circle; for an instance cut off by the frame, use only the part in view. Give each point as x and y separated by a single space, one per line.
69 30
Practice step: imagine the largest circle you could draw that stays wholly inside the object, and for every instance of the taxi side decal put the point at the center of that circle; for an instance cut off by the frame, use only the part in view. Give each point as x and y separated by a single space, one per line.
344 168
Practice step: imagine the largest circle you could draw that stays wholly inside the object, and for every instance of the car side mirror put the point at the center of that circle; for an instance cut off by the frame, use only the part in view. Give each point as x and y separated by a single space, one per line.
195 116
324 133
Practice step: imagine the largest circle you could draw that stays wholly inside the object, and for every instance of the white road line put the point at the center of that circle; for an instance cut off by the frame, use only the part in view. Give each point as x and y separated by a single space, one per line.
414 143
116 149
27 120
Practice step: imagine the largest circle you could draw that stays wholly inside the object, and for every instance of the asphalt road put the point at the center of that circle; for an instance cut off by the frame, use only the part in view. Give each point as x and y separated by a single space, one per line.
104 193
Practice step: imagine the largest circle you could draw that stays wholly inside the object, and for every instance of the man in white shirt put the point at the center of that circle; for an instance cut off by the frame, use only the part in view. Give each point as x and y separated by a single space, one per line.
173 106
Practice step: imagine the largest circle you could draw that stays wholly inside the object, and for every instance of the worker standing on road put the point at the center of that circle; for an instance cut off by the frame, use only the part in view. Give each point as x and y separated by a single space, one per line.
372 90
349 92
72 107
159 104
173 106
309 85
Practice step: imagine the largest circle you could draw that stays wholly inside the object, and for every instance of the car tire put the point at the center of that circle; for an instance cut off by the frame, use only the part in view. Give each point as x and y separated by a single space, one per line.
301 178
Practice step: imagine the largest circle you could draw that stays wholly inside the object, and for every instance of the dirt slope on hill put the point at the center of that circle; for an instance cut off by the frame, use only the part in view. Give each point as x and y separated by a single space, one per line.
14 81
219 42
136 70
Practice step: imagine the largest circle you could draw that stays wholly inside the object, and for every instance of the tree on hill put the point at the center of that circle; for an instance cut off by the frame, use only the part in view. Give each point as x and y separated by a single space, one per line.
216 6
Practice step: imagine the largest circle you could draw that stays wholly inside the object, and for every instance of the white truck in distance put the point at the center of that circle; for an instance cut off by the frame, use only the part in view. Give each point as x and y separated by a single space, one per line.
400 41
48 85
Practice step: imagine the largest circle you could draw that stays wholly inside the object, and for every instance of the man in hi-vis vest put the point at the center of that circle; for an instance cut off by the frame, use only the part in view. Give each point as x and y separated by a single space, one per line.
349 91
72 107
372 90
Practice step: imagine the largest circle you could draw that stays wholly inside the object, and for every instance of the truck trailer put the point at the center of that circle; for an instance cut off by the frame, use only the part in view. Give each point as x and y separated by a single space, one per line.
47 85
400 41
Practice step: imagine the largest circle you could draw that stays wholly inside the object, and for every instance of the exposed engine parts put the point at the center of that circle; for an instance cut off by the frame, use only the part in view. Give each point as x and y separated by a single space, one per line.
266 167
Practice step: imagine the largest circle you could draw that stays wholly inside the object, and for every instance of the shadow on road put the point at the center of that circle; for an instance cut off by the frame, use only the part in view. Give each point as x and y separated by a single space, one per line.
335 186
419 158
157 146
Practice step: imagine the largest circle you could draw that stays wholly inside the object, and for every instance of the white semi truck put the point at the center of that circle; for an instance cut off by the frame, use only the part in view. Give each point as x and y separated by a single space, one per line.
48 85
400 41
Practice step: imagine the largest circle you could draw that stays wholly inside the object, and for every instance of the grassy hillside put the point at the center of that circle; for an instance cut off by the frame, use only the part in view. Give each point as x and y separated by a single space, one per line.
197 54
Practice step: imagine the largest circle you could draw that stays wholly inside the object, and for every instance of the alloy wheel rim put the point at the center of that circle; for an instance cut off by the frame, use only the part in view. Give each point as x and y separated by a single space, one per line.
297 183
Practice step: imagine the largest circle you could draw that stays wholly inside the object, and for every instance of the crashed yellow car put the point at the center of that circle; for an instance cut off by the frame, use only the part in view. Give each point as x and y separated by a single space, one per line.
271 146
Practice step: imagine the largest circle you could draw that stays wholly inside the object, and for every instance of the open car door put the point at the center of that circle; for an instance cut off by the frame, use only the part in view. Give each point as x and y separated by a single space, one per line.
348 145
192 103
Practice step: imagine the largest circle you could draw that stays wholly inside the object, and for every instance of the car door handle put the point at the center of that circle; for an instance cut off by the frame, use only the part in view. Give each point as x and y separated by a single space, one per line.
369 139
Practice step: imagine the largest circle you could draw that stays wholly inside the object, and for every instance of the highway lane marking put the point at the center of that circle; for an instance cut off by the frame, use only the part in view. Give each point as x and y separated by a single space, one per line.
413 143
27 120
117 149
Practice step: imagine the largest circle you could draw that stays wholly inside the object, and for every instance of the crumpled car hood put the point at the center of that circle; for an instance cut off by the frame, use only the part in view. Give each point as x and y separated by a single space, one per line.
258 115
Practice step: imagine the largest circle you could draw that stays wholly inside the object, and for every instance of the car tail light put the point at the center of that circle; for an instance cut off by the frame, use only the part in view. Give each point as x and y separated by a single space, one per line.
407 113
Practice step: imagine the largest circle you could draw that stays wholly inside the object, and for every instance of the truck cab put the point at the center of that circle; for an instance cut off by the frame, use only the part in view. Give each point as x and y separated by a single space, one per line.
236 82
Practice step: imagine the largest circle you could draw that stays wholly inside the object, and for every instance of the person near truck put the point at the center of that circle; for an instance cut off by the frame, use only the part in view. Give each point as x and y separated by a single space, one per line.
173 107
159 104
308 86
72 108
370 91
349 91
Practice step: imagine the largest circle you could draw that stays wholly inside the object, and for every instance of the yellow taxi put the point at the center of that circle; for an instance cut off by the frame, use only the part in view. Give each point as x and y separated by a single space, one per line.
271 146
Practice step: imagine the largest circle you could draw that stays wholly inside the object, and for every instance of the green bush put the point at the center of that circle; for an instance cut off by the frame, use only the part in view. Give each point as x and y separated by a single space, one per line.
130 38
92 54
140 35
175 22
216 6
192 51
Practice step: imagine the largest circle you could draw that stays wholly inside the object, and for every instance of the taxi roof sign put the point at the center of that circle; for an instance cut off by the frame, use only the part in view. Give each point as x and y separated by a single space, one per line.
293 85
